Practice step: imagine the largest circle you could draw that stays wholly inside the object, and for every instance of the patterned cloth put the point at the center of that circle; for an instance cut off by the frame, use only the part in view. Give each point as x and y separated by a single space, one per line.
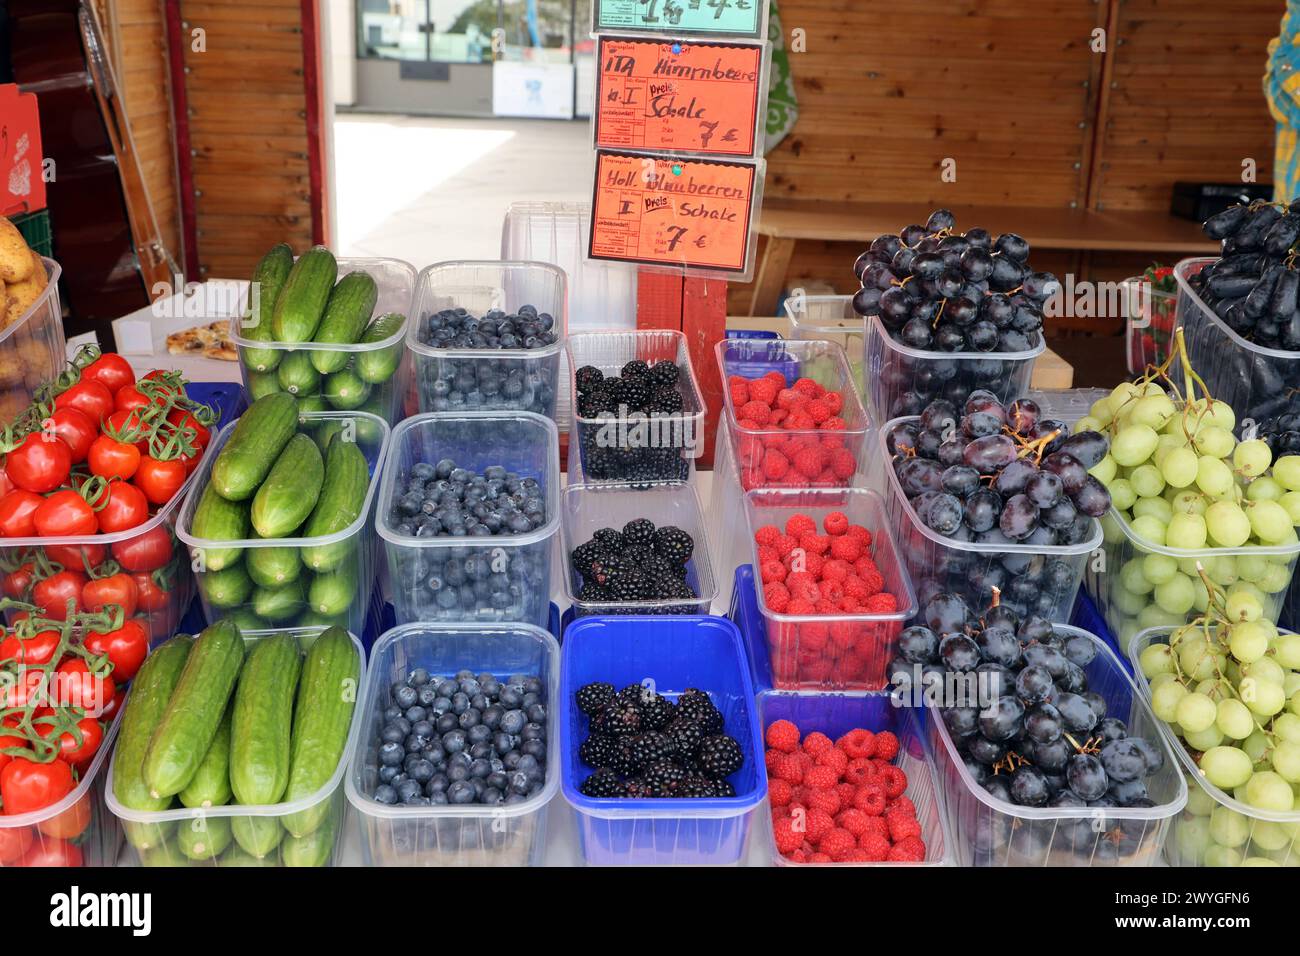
1282 88
782 103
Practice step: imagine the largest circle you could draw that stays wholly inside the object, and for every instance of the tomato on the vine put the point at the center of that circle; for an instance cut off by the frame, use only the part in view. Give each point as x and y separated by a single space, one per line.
17 581
129 420
52 594
76 556
119 589
76 754
40 463
184 418
146 551
110 370
149 595
76 686
70 823
26 785
63 514
14 842
7 741
89 397
16 511
75 427
53 852
126 507
129 397
34 651
160 480
126 648
110 458
170 381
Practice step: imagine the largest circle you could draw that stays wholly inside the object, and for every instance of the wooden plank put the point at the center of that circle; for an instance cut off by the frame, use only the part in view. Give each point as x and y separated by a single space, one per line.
772 269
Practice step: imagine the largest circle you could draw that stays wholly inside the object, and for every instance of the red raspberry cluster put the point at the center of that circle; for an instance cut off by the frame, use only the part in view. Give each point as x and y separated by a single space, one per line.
842 801
802 445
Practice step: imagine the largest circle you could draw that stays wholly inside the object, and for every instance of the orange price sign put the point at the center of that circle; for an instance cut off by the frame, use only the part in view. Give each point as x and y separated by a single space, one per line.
676 95
659 210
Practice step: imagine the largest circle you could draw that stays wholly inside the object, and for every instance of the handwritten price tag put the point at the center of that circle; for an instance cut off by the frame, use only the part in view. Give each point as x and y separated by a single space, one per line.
719 17
678 96
665 211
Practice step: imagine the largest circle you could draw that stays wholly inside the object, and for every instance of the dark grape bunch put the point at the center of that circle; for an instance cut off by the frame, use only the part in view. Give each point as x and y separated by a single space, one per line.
1282 432
1030 731
641 563
1255 286
641 744
937 290
636 454
1000 475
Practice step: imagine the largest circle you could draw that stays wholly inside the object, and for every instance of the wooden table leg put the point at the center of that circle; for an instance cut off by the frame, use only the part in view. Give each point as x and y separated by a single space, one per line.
770 282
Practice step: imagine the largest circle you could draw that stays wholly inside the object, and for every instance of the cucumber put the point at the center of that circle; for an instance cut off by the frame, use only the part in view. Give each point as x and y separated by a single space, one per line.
257 440
262 720
274 567
350 305
342 496
379 365
327 696
166 855
189 724
301 305
149 836
308 404
290 491
217 519
315 848
263 383
312 619
345 390
258 836
297 375
150 692
210 785
279 604
246 620
324 432
236 855
203 838
331 592
268 278
226 589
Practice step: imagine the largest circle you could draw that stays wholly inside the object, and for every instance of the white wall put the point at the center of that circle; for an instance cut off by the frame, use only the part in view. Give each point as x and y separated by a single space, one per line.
340 47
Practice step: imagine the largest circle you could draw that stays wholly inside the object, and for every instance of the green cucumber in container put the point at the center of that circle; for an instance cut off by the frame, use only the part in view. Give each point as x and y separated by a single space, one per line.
314 848
257 836
297 375
345 390
379 365
263 383
350 305
218 519
166 854
290 491
279 604
203 838
331 593
262 722
342 496
226 589
236 855
256 441
269 279
312 619
210 785
151 691
274 567
308 404
246 620
301 305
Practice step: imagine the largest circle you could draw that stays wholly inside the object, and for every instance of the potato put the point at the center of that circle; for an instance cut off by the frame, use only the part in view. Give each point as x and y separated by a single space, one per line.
15 257
23 294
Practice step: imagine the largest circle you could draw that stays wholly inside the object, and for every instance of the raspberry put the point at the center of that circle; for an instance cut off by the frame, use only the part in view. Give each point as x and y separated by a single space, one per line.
826 608
832 591
788 398
799 421
902 804
767 535
799 525
770 759
782 735
817 743
800 607
746 424
849 605
817 858
785 545
739 395
779 791
910 850
817 823
882 603
815 543
821 778
846 790
837 522
834 758
853 820
775 596
818 410
870 799
756 412
875 847
835 401
846 548
861 771
777 378
877 826
803 585
814 564
901 826
808 387
871 577
895 781
844 464
858 743
790 770
860 533
857 856
787 838
772 572
775 465
837 844
778 416
833 424
825 800
808 462
856 588
886 745
764 390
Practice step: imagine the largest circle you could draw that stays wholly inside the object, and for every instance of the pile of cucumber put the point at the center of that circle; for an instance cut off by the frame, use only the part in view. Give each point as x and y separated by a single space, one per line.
300 302
270 480
212 722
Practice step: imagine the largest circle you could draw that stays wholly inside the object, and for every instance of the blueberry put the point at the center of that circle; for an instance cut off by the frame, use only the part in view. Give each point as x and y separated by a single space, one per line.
408 789
446 688
497 780
480 734
387 773
421 771
460 793
422 728
510 760
459 703
426 695
537 713
454 741
511 697
491 716
440 705
513 721
385 794
391 754
469 719
404 695
535 749
503 743
416 714
491 796
481 750
446 722
391 734
480 768
533 732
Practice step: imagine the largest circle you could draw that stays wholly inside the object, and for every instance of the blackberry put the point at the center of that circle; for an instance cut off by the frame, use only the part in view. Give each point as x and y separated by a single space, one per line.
699 786
608 568
584 556
603 783
665 402
650 748
678 590
629 586
686 734
609 540
638 789
588 377
632 694
639 556
665 375
593 697
696 705
593 593
723 788
639 531
657 711
619 719
664 778
600 751
719 756
636 393
674 543
595 404
636 369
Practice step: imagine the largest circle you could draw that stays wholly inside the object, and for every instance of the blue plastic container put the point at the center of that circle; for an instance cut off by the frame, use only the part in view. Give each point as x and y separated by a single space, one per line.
1089 618
675 653
751 334
749 621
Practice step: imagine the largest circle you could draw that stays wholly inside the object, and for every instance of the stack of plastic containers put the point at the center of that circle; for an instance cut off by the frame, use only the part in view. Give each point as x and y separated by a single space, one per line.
830 318
1149 322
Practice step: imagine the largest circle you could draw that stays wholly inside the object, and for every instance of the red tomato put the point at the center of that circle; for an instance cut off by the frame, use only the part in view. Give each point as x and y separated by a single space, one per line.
147 551
160 480
16 511
89 397
126 648
76 686
183 418
6 485
126 421
26 785
110 370
128 397
169 378
9 741
53 852
70 823
53 593
149 596
40 464
116 589
110 458
76 556
29 687
76 754
36 650
14 842
16 582
75 427
126 508
64 513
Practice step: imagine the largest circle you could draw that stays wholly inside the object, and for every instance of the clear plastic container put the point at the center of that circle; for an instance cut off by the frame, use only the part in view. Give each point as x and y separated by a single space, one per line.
819 652
635 447
1216 829
32 349
151 835
1256 381
830 318
901 381
585 509
988 832
521 442
150 550
938 563
76 831
835 715
744 613
670 654
480 287
343 562
1149 323
1127 599
395 280
466 835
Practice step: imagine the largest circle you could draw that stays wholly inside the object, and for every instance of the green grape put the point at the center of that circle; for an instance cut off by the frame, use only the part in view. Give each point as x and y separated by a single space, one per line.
1195 713
1089 424
1291 685
1251 567
1192 839
1167 443
1128 602
1286 726
1291 502
1286 761
1179 467
1248 641
1218 414
1252 458
1155 411
1257 861
1154 616
1243 607
1214 442
1228 827
1105 470
1147 482
1199 803
1234 719
1101 412
1286 471
1187 532
1165 700
1213 477
1222 856
1294 702
1132 578
1226 768
1264 697
1276 579
1159 568
1268 791
1196 660
1122 494
1151 506
1200 595
1269 521
1226 523
1150 529
1177 596
1122 396
1286 651
1190 501
1133 445
1249 588
1221 569
1268 836
1156 659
